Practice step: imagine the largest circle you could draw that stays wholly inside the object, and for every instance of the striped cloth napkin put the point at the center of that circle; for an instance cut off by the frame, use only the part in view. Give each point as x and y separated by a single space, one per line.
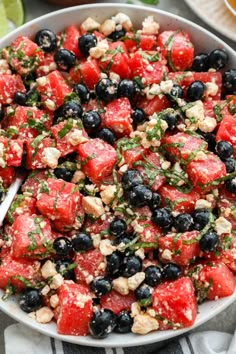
22 340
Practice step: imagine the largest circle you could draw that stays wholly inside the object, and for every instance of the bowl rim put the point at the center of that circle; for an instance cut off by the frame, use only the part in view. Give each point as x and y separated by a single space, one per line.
136 340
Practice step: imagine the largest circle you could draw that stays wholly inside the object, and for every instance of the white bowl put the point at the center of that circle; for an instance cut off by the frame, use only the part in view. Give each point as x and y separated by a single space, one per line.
204 42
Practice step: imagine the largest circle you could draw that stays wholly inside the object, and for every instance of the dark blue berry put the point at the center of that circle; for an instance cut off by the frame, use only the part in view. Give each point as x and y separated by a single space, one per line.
20 98
130 179
224 149
83 92
114 262
229 82
182 222
102 323
65 59
230 185
101 286
142 292
117 35
124 322
91 120
195 90
200 218
86 42
107 135
209 241
106 90
82 242
230 165
126 88
153 275
218 59
200 62
30 300
118 227
140 196
138 116
46 39
63 267
131 265
171 271
62 246
64 173
162 217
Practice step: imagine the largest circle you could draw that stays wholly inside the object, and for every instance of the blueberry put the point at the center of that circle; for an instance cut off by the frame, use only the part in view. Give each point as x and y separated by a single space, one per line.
117 35
195 90
138 116
101 286
131 265
209 241
30 300
200 62
171 271
106 90
140 196
162 217
200 218
114 262
46 39
83 92
63 267
91 120
210 138
124 239
231 185
142 292
218 59
107 135
171 119
102 323
130 179
153 275
86 42
64 173
182 222
229 81
224 149
118 227
62 246
20 98
176 92
126 88
65 59
156 201
71 110
124 322
82 242
230 165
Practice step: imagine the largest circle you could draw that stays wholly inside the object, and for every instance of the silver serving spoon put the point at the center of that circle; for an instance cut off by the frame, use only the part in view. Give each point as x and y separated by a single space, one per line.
12 190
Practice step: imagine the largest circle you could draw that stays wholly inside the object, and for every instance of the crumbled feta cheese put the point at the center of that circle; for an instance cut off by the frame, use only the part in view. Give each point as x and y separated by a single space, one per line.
108 193
4 67
202 204
140 253
89 25
165 165
150 26
54 300
136 280
106 248
114 77
81 300
41 81
108 26
196 112
76 137
93 206
167 254
100 49
135 309
152 91
48 269
211 88
78 176
207 125
166 86
50 157
57 281
120 284
45 290
124 20
44 315
143 324
222 226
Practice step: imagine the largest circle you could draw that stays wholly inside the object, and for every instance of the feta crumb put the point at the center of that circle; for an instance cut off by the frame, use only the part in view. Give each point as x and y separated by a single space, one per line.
108 193
143 324
207 125
48 269
57 281
50 157
114 77
211 88
166 86
93 206
167 254
44 315
4 67
202 204
222 226
106 248
54 300
150 26
96 240
81 300
50 104
76 137
196 111
108 26
120 284
140 253
135 309
45 290
136 280
124 20
89 25
78 176
41 81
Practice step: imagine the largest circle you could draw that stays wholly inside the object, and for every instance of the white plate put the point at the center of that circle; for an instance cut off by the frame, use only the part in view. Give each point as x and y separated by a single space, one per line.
204 42
216 14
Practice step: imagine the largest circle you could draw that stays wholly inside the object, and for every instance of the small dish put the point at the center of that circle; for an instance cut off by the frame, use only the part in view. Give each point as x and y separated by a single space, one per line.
231 4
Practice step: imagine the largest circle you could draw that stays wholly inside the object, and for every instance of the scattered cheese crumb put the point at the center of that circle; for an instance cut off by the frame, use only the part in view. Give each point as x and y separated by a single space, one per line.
106 248
222 226
136 280
143 324
93 206
44 315
89 25
120 284
150 26
48 269
50 157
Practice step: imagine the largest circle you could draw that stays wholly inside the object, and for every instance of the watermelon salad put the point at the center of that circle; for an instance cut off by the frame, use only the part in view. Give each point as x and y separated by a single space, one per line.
126 220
